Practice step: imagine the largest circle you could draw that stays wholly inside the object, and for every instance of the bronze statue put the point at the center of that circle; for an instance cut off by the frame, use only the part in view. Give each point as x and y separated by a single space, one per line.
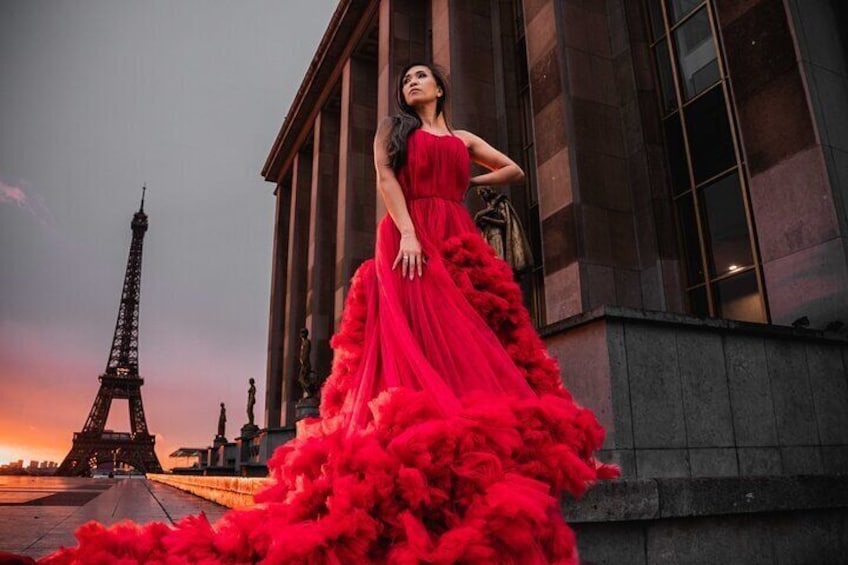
307 378
251 401
222 421
500 227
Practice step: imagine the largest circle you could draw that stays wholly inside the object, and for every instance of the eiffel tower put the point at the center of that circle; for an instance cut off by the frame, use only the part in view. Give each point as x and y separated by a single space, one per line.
94 444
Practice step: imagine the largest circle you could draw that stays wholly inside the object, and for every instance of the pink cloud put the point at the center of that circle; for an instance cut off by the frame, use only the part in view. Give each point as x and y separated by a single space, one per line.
12 194
32 203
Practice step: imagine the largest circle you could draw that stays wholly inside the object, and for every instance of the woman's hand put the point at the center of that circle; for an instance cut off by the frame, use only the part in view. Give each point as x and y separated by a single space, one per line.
410 256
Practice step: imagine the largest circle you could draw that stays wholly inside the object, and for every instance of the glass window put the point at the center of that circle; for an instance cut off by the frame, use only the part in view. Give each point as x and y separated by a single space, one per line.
532 197
698 301
526 116
535 237
725 226
521 65
710 141
708 190
529 149
738 298
692 249
669 98
677 9
532 282
655 12
676 155
696 54
518 19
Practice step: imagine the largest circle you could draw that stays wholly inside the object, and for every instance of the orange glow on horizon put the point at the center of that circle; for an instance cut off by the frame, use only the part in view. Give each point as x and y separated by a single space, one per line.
48 378
17 452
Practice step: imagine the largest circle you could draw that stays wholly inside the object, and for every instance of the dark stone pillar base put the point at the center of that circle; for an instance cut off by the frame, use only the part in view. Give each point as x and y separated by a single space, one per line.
307 408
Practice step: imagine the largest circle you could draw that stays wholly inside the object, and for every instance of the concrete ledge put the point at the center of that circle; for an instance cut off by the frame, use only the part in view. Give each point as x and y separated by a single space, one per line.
616 501
675 319
651 499
232 492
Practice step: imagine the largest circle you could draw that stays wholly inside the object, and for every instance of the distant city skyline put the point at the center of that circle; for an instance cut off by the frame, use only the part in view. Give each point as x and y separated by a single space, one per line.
99 98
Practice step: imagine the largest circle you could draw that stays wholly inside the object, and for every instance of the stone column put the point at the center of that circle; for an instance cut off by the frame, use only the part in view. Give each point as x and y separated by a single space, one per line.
322 238
507 108
301 189
585 201
403 37
556 200
356 176
277 315
464 46
475 45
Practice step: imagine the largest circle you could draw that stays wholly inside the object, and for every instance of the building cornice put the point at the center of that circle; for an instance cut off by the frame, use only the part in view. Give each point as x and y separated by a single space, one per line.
349 23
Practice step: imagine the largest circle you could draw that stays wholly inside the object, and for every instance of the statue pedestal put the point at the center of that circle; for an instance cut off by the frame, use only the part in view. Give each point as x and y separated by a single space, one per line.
247 451
249 431
217 454
307 408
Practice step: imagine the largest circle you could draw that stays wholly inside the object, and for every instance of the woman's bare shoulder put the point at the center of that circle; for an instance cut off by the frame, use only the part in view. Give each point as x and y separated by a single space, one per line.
466 136
385 126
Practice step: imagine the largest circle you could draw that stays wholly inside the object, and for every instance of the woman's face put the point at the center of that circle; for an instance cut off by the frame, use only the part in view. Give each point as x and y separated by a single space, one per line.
420 87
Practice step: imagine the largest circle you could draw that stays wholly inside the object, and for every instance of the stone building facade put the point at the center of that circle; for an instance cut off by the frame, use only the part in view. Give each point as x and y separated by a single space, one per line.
686 200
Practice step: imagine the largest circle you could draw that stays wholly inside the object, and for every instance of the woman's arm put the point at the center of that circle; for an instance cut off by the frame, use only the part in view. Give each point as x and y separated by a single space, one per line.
503 169
392 194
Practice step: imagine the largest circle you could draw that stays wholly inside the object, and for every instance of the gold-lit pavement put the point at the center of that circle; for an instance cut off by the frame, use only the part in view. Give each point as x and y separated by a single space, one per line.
39 515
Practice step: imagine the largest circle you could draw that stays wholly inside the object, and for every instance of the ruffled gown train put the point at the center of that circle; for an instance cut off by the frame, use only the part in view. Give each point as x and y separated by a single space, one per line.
445 435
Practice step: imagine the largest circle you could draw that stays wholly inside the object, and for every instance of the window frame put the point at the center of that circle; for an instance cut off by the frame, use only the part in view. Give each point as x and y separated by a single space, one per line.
667 38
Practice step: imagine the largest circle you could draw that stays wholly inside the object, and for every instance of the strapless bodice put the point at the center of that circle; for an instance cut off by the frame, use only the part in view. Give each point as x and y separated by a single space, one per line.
437 166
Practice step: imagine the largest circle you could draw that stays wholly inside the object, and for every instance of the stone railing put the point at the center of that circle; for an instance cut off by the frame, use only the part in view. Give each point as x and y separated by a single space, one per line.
232 492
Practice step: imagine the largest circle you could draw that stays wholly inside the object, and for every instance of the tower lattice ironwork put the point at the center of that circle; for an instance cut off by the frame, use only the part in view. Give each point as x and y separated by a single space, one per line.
95 444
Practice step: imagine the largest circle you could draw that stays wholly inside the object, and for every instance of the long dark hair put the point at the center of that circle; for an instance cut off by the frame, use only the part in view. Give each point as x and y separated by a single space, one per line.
406 121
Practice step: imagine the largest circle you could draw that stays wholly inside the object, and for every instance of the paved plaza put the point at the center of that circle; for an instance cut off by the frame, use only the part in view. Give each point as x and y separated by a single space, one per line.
39 515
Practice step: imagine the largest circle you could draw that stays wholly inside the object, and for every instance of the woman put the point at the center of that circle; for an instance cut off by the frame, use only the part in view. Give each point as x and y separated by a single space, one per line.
445 433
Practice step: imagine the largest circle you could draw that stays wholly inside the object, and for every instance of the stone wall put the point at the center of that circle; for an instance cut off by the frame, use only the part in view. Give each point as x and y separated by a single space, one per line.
686 397
759 520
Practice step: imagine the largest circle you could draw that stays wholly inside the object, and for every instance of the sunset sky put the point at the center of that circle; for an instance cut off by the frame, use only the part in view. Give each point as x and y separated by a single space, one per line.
98 97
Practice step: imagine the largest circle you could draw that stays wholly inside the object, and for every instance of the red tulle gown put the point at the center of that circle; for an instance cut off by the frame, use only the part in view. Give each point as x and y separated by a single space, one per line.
445 435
